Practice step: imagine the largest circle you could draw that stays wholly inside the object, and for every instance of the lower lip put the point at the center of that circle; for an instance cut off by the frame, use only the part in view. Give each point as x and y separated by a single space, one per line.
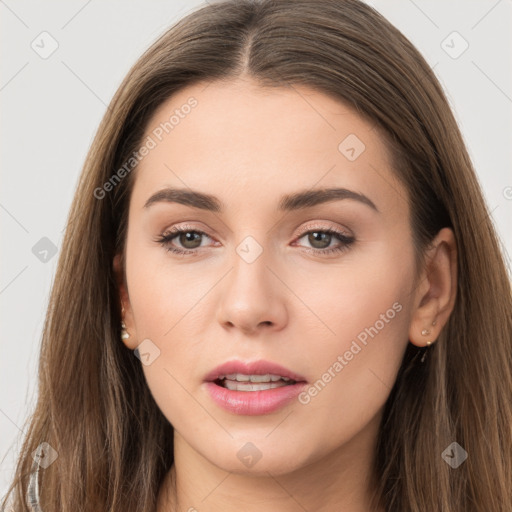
252 403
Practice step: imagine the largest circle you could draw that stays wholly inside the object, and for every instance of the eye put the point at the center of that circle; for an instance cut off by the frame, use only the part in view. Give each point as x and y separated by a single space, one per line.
320 240
189 238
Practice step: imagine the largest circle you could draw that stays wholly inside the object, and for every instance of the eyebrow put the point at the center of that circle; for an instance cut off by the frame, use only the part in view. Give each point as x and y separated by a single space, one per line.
296 201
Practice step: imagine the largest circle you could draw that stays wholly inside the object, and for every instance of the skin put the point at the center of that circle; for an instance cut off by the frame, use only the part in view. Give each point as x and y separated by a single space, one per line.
248 146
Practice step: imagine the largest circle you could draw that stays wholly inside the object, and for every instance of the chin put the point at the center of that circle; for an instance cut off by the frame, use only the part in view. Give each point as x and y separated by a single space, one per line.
259 457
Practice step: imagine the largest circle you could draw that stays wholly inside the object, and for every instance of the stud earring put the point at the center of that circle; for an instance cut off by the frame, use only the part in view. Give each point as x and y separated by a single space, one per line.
426 332
124 332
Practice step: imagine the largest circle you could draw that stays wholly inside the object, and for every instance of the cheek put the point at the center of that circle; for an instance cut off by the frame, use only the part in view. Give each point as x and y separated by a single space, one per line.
164 294
167 305
366 289
365 305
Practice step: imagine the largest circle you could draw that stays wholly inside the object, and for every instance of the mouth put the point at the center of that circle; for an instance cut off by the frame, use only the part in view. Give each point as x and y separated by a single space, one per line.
243 382
262 374
253 388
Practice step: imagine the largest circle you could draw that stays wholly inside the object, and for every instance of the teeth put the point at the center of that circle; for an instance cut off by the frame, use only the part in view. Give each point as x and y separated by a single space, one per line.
240 377
244 386
260 378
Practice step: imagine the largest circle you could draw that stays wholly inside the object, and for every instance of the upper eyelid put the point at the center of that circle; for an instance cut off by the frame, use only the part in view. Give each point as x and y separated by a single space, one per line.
180 229
312 225
323 225
306 229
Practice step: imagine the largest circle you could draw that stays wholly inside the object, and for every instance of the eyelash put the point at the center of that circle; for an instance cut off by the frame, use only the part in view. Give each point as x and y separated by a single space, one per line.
166 238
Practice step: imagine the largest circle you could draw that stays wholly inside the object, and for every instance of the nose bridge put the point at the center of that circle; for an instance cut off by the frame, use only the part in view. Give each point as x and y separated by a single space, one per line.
250 262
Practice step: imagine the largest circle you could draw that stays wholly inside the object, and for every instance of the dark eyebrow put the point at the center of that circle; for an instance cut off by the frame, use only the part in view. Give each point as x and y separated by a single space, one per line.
297 201
309 198
187 197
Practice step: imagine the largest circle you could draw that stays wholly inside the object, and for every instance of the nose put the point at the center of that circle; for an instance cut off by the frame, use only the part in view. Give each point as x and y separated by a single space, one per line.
252 298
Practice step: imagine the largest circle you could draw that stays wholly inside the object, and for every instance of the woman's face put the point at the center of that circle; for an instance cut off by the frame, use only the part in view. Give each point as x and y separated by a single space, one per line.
274 274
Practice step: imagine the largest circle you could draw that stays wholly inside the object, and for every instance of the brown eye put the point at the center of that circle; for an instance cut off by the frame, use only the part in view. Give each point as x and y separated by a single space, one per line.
322 238
320 241
182 240
189 239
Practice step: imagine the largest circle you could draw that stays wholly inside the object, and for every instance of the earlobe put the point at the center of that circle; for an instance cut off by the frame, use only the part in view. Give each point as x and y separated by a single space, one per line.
125 335
128 331
435 299
127 324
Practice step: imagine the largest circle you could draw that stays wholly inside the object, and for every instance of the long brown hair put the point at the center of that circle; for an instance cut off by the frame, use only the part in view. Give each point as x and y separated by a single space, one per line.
94 407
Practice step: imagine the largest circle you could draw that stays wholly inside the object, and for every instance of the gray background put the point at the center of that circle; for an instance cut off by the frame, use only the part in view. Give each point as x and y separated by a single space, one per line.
52 106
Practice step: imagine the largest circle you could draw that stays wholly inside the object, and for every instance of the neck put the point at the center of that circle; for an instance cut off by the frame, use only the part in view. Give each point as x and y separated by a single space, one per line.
340 480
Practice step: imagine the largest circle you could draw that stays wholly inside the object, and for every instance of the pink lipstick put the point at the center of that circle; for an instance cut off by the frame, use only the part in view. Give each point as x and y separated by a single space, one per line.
253 388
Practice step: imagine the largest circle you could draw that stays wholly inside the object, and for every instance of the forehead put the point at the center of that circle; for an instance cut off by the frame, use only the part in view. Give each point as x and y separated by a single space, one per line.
246 140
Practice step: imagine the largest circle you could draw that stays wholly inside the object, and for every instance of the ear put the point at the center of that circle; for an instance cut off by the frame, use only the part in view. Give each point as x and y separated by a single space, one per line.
437 290
127 314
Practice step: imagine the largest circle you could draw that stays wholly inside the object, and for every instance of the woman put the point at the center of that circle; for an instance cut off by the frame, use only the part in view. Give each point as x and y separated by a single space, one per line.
279 287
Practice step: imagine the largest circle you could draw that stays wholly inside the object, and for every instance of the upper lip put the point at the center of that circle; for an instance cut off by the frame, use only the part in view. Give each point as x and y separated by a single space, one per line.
260 367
